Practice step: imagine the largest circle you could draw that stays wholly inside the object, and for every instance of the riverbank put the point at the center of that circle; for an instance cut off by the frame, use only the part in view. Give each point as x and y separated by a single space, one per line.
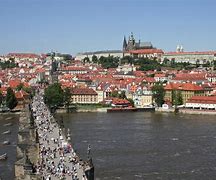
160 109
93 109
186 111
197 111
63 110
98 109
10 113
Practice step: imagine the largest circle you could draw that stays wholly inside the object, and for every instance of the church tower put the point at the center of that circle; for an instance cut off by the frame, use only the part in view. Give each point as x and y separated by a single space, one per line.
124 48
131 42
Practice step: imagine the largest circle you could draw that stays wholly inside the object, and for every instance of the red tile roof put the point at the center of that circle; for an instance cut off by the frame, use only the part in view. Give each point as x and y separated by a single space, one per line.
203 99
40 70
190 77
14 83
192 53
160 75
23 55
21 94
146 51
183 86
149 79
117 101
83 91
74 68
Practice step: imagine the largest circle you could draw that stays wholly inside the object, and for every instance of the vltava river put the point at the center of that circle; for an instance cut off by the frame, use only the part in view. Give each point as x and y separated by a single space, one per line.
146 145
7 166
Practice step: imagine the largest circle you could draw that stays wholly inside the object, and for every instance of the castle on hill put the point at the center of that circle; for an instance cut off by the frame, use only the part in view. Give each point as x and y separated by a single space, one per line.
131 44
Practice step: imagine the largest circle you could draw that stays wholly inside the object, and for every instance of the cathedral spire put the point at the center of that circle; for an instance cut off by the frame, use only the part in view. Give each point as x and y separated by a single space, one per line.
124 44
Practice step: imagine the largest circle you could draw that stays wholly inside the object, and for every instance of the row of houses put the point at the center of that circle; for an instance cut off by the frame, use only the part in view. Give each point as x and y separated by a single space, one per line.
90 83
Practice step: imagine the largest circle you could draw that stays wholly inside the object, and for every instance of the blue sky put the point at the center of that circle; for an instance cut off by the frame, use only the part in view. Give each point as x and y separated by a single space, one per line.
71 26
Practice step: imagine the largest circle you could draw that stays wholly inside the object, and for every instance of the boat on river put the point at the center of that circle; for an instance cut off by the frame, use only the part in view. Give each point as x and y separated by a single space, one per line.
3 156
7 132
122 109
6 143
8 124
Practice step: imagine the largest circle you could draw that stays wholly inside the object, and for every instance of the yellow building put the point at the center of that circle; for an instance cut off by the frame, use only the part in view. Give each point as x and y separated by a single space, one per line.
187 90
84 96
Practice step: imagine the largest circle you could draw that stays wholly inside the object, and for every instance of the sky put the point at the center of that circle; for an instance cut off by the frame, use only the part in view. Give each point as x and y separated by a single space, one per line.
72 26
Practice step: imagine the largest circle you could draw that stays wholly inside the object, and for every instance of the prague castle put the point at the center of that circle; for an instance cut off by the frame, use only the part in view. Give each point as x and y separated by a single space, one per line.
133 45
130 48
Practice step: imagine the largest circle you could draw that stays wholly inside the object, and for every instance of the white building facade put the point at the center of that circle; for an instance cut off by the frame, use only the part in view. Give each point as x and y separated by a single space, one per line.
191 57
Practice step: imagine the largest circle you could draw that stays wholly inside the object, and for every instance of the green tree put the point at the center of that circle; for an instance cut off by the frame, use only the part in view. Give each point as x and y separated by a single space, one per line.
11 101
127 59
67 97
148 64
94 59
8 64
86 60
173 64
214 65
166 62
177 98
67 57
54 95
108 62
114 94
28 90
131 101
158 93
122 95
19 87
119 94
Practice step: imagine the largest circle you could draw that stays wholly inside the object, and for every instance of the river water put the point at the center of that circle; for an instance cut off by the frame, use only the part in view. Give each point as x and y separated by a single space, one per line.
7 166
132 146
146 145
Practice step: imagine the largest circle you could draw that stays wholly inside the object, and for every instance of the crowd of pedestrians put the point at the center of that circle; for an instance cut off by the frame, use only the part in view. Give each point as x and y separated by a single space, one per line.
57 159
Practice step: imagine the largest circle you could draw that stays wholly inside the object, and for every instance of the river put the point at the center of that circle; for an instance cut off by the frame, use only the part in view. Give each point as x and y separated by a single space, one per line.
132 146
146 145
7 166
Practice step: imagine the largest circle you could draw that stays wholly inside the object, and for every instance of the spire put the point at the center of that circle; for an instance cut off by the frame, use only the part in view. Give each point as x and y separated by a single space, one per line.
124 44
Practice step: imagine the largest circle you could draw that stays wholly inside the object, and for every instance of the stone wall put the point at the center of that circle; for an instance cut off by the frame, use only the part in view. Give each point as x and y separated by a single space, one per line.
27 148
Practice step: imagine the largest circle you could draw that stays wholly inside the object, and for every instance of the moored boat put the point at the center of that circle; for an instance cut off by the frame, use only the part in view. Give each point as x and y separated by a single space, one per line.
7 132
6 143
8 124
122 109
3 156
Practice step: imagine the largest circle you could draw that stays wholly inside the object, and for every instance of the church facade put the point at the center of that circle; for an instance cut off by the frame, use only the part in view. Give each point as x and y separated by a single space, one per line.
140 49
131 44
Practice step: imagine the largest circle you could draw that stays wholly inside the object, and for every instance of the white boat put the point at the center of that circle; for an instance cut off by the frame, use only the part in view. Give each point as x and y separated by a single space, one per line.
6 143
3 156
8 124
7 132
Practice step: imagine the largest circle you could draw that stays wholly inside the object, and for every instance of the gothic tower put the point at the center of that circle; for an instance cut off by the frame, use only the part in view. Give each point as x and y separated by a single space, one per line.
131 42
124 48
